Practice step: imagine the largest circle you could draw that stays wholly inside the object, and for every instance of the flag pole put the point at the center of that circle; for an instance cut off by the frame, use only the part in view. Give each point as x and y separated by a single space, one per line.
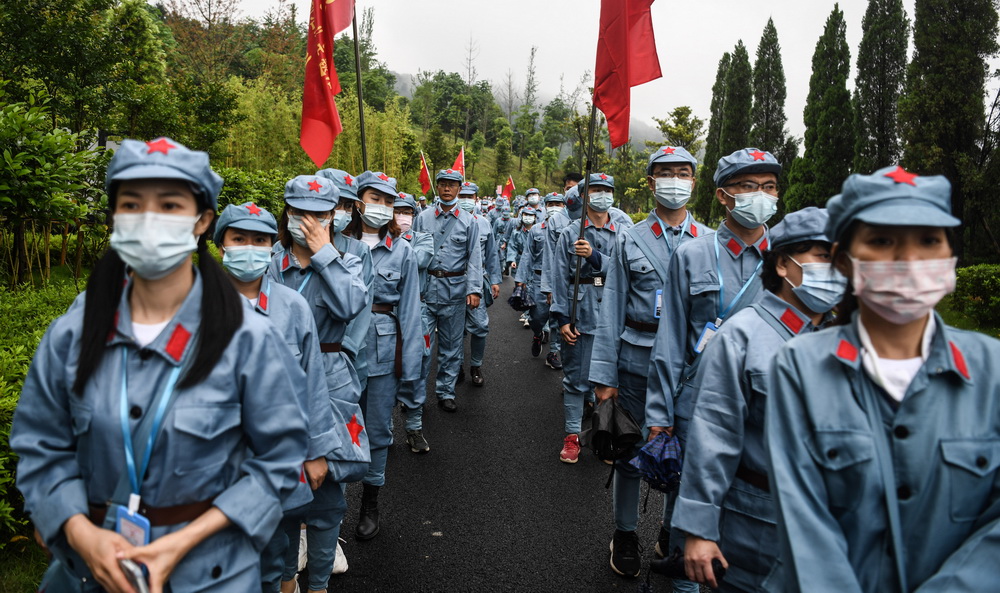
583 213
361 103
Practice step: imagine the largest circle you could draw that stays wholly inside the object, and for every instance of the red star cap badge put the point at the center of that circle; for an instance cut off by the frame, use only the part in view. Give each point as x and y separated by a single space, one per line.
758 155
348 180
383 177
604 177
315 186
355 429
160 145
449 171
253 209
669 150
901 175
402 195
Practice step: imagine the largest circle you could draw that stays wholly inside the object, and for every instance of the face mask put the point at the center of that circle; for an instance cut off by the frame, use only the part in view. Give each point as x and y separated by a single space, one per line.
341 218
533 200
154 244
528 219
450 202
602 201
466 204
247 262
754 209
672 192
506 215
822 286
405 221
376 215
555 208
295 230
903 291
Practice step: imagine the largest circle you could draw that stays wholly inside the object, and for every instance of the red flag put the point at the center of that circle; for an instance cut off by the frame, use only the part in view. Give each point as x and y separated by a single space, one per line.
626 57
320 120
508 188
425 175
460 162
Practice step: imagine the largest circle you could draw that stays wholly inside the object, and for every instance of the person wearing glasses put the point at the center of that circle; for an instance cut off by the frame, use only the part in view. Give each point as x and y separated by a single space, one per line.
709 279
630 314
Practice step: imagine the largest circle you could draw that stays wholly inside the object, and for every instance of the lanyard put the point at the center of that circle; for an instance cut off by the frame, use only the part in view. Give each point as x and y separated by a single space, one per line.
718 265
302 286
135 477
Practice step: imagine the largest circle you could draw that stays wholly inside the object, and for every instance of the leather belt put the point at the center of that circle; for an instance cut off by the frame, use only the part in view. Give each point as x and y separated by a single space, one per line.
753 478
327 347
641 326
538 272
596 281
398 363
443 274
159 516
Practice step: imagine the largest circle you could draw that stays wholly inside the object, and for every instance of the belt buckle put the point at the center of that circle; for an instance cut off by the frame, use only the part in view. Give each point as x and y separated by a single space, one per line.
598 281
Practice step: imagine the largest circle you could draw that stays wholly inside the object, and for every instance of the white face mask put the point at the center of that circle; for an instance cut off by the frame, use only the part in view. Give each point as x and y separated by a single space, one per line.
376 215
295 228
673 192
154 244
405 221
533 199
903 291
528 219
601 201
467 204
753 209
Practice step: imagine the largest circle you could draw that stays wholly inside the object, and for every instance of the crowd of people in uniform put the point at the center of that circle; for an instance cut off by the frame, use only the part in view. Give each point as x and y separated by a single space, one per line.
197 419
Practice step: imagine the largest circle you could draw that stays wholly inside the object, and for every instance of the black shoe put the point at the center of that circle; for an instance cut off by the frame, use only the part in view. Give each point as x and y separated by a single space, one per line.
545 337
461 376
536 345
368 521
553 362
625 558
448 405
662 542
477 376
415 439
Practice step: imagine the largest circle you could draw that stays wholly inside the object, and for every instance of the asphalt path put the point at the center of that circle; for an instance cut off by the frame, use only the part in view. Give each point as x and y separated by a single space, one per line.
491 507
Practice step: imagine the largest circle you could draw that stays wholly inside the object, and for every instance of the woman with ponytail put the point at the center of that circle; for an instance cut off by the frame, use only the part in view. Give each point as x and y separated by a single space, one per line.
147 429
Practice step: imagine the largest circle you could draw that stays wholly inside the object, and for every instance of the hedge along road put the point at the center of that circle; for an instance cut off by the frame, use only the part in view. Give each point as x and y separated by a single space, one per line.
491 507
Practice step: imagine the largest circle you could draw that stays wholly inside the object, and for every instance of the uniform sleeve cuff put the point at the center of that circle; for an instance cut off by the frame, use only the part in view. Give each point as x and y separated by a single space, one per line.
253 509
604 372
698 518
62 503
594 259
321 444
562 319
323 257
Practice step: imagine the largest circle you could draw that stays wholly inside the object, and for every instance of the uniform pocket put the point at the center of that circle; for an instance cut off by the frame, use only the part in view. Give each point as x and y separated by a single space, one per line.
385 339
203 425
846 457
970 464
643 275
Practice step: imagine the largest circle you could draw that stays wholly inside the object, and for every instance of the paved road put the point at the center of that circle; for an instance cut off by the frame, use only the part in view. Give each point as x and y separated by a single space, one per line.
491 507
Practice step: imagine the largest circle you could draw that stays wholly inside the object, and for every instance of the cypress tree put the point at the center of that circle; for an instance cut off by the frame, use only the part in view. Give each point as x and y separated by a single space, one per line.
739 100
768 130
705 190
829 121
941 112
881 73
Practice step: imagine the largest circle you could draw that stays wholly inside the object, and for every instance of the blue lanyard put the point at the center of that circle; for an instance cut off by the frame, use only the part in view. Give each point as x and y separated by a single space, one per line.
302 286
722 284
135 478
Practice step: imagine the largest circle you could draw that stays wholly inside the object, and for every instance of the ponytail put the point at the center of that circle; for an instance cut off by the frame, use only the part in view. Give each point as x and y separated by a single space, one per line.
104 292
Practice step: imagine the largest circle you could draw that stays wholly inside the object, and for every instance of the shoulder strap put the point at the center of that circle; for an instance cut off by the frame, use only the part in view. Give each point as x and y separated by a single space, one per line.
658 265
884 460
774 323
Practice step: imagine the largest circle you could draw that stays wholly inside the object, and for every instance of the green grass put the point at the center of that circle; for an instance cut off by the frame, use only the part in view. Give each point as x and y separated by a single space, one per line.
22 565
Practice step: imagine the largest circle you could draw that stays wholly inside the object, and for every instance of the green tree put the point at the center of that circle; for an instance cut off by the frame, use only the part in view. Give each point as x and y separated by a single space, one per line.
941 112
377 82
705 190
739 101
829 121
502 152
534 169
475 152
768 130
550 160
881 73
436 150
682 129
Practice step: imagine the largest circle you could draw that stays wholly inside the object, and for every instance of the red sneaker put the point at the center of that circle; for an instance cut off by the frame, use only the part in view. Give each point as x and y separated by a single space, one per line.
571 449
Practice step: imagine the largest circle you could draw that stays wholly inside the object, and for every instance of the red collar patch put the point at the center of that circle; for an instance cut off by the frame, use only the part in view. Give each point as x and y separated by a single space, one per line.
959 360
792 321
285 262
694 230
763 246
847 351
262 301
178 341
657 229
734 247
388 241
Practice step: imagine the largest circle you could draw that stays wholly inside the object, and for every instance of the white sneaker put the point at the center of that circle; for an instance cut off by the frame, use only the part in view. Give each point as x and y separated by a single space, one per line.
340 560
302 549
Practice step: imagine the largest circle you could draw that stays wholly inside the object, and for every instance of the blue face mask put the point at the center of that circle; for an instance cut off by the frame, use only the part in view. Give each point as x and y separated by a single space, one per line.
247 262
467 204
602 201
341 218
753 209
822 286
450 202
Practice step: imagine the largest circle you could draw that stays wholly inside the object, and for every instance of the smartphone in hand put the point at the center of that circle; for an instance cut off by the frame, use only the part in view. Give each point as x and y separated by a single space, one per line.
134 575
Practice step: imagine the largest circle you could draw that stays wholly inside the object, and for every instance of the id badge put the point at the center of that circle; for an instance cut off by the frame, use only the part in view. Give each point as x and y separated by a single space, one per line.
706 335
658 308
133 527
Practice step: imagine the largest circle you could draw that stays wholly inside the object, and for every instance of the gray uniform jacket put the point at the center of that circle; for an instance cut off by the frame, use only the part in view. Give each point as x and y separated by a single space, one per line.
456 249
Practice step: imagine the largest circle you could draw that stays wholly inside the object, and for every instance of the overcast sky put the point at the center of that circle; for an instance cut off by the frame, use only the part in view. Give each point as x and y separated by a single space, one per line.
690 39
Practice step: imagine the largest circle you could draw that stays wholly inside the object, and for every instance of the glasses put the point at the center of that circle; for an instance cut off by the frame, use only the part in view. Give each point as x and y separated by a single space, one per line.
671 175
769 187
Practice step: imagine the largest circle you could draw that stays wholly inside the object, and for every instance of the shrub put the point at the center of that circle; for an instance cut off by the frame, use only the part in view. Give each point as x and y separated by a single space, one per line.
977 293
264 188
24 315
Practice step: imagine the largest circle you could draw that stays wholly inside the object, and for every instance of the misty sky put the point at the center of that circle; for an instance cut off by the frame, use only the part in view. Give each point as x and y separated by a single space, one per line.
413 35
